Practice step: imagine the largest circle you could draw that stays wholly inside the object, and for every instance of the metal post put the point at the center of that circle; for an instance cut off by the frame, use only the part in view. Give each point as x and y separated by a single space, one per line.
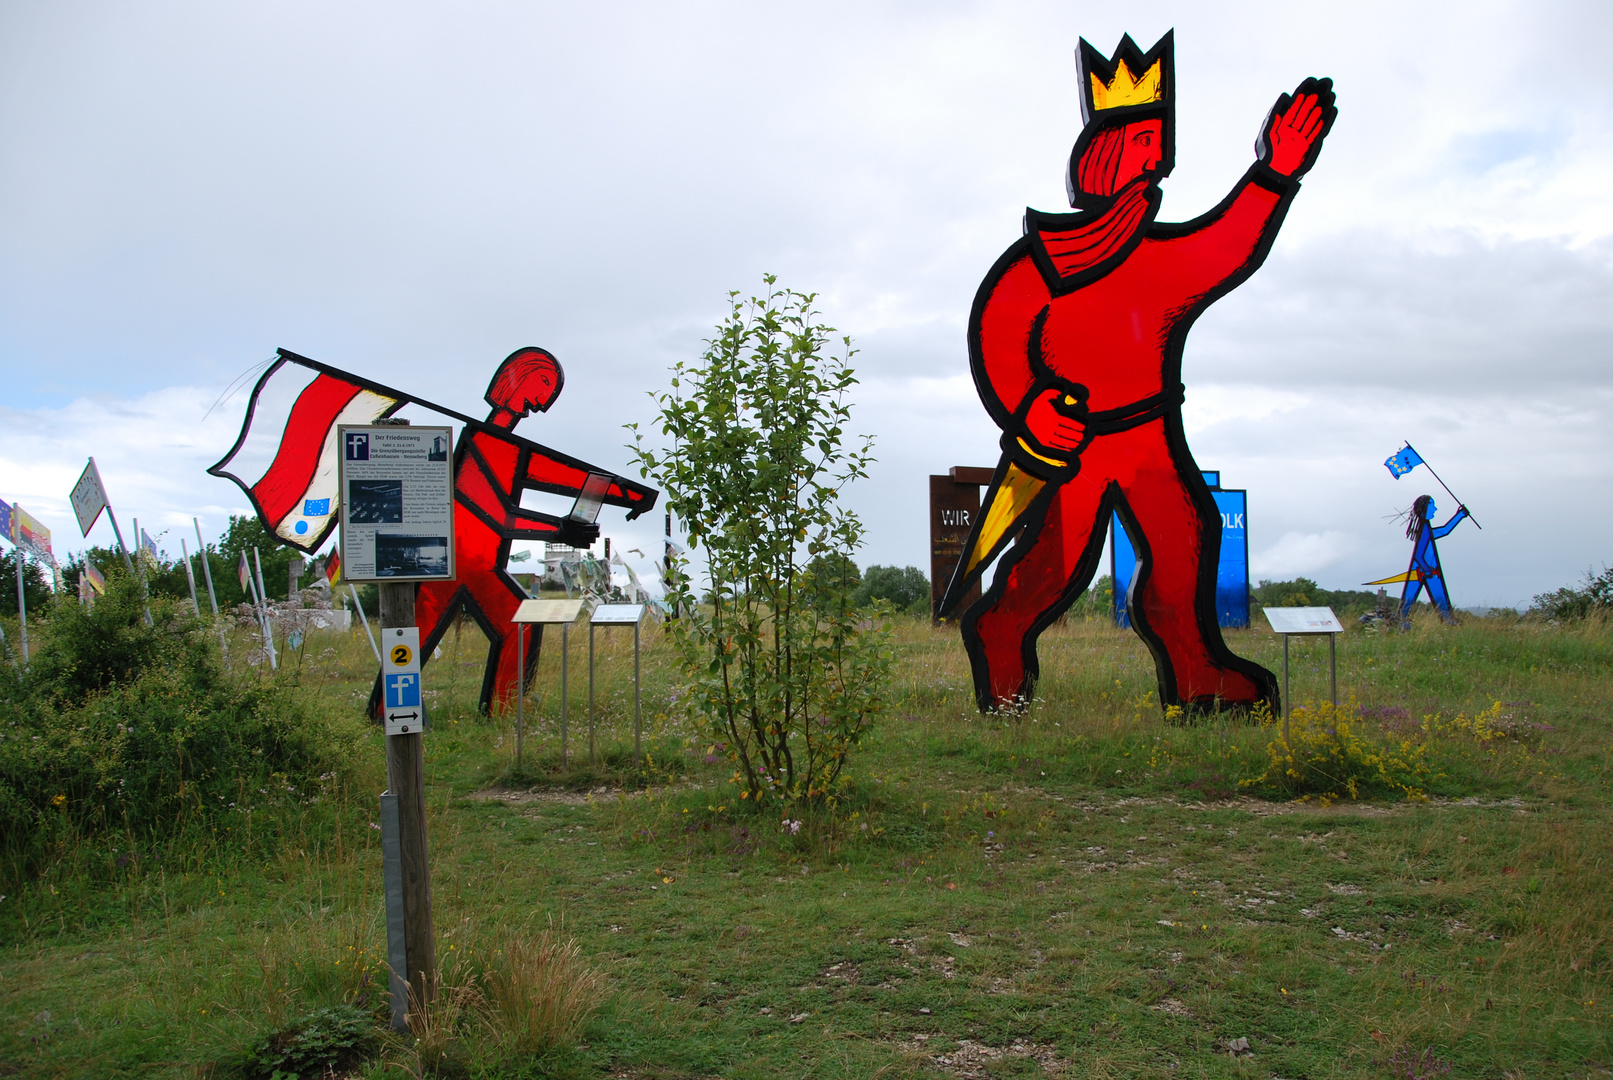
139 552
22 604
374 648
140 568
397 953
405 772
520 690
190 579
117 532
565 651
638 717
590 694
263 604
1333 665
1287 703
207 573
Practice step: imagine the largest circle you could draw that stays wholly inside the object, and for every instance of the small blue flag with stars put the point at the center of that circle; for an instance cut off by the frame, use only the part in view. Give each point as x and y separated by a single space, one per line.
1402 463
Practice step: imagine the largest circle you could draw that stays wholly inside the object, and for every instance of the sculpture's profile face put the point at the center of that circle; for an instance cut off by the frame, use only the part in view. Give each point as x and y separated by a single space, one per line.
1141 149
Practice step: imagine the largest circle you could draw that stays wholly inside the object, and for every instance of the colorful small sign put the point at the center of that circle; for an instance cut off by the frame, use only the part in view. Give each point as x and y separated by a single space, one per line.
30 533
88 497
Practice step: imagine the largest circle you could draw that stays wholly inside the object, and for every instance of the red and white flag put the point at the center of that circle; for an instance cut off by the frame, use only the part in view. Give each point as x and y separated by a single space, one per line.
295 493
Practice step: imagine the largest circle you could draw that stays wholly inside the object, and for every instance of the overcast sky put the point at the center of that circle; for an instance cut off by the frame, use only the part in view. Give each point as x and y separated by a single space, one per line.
413 191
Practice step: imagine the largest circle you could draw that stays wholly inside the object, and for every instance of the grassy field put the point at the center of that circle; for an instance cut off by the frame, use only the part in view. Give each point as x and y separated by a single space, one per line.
1089 891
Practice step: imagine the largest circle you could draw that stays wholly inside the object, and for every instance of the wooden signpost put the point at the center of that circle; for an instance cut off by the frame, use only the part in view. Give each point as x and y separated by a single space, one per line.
401 532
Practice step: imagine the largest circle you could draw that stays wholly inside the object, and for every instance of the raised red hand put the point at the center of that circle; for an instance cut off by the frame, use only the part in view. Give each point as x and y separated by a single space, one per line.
1293 132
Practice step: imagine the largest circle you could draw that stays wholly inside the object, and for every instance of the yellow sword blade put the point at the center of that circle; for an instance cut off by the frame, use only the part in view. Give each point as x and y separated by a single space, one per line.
1409 575
1008 504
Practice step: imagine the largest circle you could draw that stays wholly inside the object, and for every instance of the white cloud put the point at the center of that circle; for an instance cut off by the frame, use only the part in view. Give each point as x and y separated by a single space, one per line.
1300 555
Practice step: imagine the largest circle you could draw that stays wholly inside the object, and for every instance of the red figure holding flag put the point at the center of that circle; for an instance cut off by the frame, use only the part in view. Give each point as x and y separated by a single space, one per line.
491 472
296 498
1075 341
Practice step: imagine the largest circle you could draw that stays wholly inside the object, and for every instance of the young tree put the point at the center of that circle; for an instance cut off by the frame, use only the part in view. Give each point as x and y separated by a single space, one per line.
780 664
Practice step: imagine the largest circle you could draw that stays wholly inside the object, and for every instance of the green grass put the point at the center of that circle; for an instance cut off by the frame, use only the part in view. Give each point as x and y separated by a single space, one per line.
1087 891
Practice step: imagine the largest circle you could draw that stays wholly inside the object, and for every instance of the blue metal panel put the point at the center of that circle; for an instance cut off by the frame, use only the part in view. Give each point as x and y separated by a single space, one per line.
1232 577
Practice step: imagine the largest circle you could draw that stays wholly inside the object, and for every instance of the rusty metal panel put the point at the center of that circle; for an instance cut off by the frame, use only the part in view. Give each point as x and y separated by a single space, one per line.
953 507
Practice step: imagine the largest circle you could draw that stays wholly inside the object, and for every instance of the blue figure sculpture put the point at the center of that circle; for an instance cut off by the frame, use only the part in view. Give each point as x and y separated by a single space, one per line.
1424 569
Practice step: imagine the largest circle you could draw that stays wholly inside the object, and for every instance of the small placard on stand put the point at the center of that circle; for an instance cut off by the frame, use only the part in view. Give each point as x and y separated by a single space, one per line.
562 613
1306 620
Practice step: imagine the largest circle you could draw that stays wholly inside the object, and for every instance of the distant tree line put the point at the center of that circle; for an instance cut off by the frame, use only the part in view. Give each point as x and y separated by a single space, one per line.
1303 592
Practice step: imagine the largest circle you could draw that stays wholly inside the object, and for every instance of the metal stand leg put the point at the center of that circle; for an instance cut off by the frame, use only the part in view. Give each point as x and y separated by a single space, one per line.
638 714
1288 705
520 691
1333 665
565 696
590 694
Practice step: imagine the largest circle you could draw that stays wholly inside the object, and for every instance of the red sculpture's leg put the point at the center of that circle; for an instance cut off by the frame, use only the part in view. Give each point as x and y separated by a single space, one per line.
1167 600
1042 575
497 604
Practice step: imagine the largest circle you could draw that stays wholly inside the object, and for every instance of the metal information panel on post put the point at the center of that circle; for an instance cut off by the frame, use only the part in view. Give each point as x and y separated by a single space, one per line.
1307 620
617 615
560 613
397 502
400 680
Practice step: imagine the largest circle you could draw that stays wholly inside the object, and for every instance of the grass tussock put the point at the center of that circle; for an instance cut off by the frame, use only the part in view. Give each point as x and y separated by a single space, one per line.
538 991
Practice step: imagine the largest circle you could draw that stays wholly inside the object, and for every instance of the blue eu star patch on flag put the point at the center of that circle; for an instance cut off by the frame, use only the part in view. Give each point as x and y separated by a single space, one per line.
1403 462
315 507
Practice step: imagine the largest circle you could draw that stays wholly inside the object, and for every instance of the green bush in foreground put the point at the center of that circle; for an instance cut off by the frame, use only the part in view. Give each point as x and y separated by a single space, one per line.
137 729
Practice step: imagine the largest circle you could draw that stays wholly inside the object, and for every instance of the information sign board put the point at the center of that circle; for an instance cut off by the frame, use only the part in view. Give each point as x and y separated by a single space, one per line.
617 615
397 503
400 680
553 612
1303 620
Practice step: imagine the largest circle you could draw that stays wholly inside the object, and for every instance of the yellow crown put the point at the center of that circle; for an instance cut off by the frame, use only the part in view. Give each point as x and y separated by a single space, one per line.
1128 89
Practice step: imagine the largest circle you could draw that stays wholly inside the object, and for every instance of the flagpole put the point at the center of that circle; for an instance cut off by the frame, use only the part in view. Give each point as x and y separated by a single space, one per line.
22 603
1460 505
207 571
190 579
212 597
117 532
263 603
374 648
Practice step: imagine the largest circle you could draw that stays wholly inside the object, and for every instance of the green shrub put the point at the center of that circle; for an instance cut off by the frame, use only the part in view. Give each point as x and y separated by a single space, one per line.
326 1042
901 587
1328 752
1567 603
138 729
